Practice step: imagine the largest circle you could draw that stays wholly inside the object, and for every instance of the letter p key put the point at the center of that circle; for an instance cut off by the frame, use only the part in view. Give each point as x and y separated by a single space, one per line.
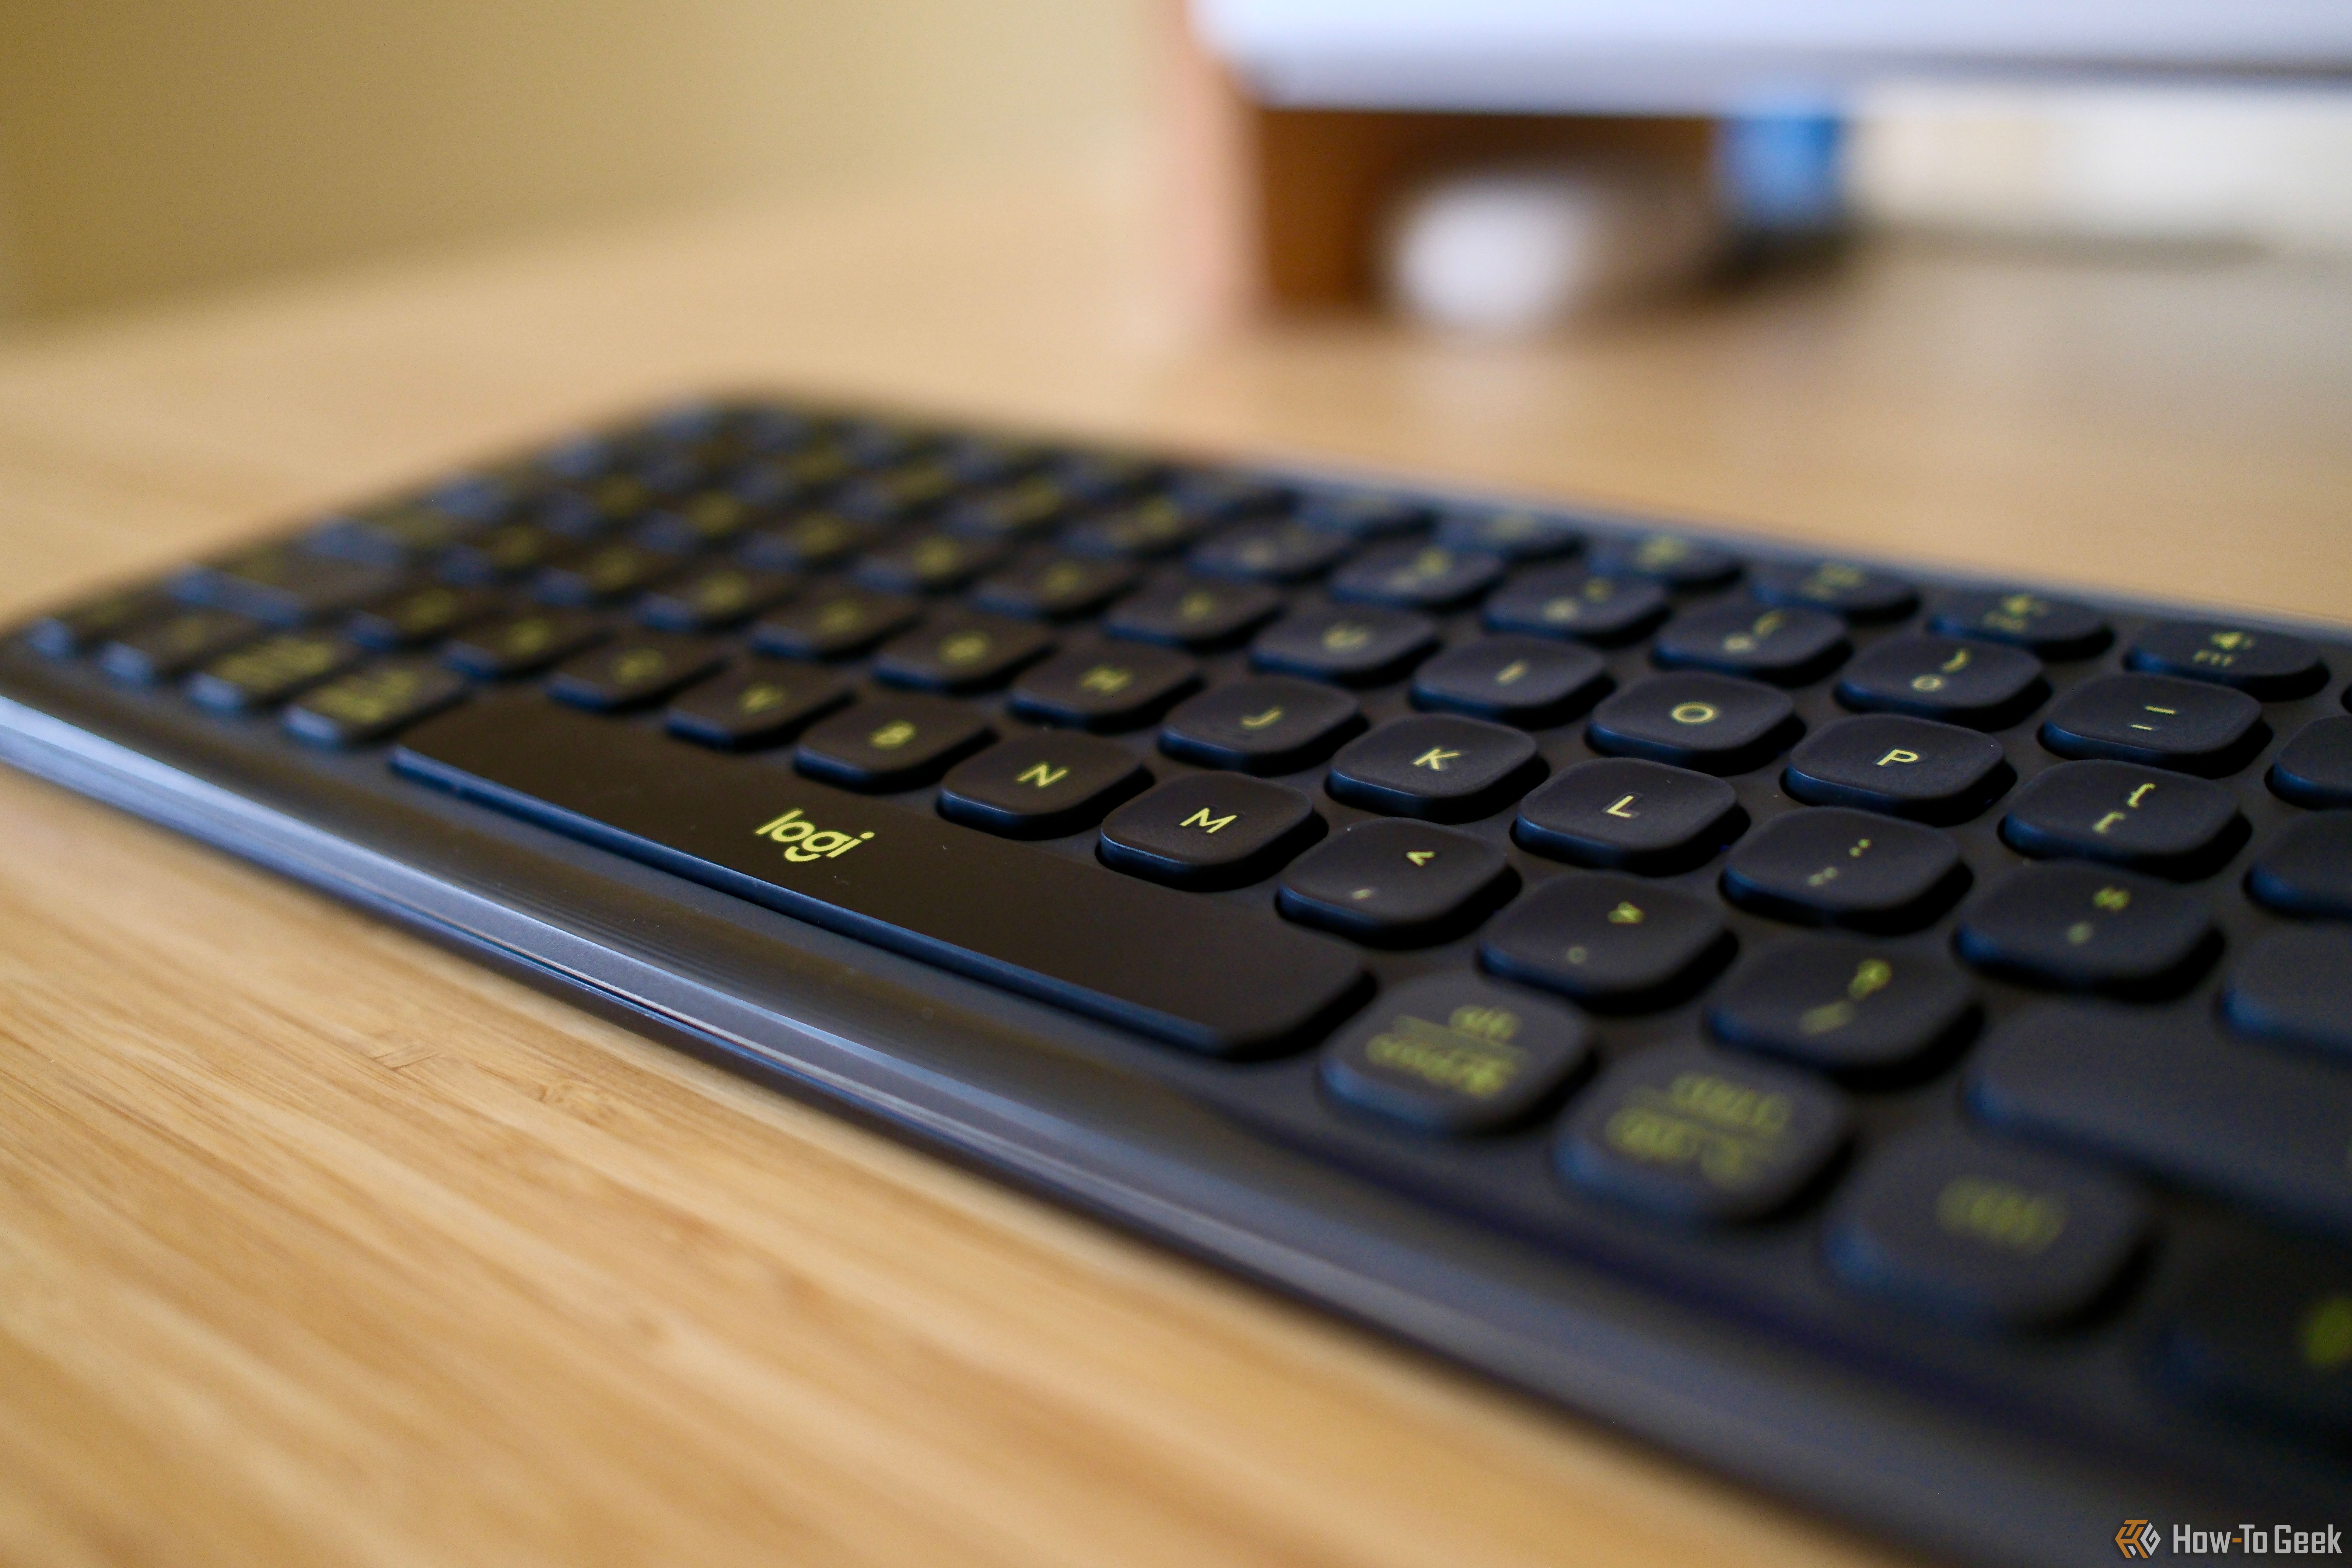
1897 755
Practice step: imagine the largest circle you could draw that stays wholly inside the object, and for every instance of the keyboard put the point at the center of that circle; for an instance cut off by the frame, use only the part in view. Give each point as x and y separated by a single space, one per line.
1886 1037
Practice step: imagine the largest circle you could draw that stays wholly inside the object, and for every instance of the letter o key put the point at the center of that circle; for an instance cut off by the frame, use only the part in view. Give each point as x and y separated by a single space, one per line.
1694 714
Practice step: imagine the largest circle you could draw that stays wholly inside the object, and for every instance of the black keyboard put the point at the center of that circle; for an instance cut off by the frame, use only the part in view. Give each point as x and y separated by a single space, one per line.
1888 1038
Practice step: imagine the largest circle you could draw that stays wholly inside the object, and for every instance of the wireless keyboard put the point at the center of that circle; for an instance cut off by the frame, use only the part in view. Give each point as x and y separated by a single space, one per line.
1888 1038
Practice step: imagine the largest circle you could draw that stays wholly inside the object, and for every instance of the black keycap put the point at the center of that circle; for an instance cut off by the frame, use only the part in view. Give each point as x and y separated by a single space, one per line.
1611 942
423 615
1142 531
1530 681
1511 533
2159 721
1852 592
1630 815
93 623
1356 645
1269 725
1107 686
1904 767
166 648
2081 928
1095 479
899 493
795 480
1055 587
2295 987
522 644
926 563
1024 510
596 509
962 652
1697 1135
373 703
1186 612
285 584
1682 564
1970 1230
1209 830
2306 869
833 622
1785 646
2271 666
499 554
2315 769
2161 1091
764 704
1287 551
2266 1332
704 521
1571 602
714 597
1192 971
1041 786
1416 576
1226 495
891 743
601 575
2124 814
1982 685
2050 628
264 674
990 459
402 535
1835 867
635 671
805 543
1440 768
1708 722
1454 1055
1362 514
1858 1010
1397 884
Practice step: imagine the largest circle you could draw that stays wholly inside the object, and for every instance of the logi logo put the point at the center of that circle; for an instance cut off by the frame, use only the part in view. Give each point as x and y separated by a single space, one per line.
804 840
2138 1538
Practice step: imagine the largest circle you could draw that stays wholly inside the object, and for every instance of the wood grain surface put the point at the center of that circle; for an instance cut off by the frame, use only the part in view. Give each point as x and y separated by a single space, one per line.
320 1246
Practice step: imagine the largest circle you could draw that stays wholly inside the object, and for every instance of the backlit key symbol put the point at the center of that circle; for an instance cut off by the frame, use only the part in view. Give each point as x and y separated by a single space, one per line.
1619 809
1109 680
1510 672
891 736
1958 661
1346 637
1434 759
759 698
2152 708
1421 857
1898 755
1207 823
1044 775
1260 720
1626 914
2137 795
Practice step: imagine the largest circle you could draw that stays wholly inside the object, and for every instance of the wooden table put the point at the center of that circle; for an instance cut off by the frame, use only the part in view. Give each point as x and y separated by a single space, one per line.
318 1246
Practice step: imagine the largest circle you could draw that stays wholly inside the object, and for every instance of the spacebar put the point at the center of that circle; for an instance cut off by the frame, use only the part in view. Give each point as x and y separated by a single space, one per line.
1187 970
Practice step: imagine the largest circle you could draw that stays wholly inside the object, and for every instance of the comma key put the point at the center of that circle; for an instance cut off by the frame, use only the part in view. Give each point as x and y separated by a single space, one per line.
1397 884
1209 830
1453 1054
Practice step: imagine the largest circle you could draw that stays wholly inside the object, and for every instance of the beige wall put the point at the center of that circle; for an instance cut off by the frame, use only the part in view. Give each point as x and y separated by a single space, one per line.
154 146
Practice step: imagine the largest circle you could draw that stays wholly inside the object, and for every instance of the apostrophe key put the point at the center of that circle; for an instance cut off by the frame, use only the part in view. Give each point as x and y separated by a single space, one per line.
264 674
2050 628
1864 1011
1456 1055
2266 1332
1397 884
1982 685
1192 613
2293 987
1786 647
2307 869
1272 724
2124 814
763 704
1571 602
1859 594
1210 830
1843 867
1610 942
1417 576
634 672
2271 666
1632 815
1710 723
2159 721
1440 767
891 743
1104 686
2315 769
1530 681
834 623
1040 787
1354 645
1905 767
163 649
2080 928
523 644
373 703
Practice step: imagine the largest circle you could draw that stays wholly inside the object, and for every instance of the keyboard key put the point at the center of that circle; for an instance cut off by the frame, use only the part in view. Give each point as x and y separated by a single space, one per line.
1055 587
1711 724
2124 814
284 584
373 703
1983 686
1511 533
265 674
1630 815
1569 601
2161 1092
2315 769
1852 592
1611 942
1363 515
635 671
1835 867
595 510
891 743
401 534
1697 1135
764 704
2295 987
2156 720
962 652
1288 552
1145 531
833 622
603 574
1269 725
1026 509
1984 1234
1905 767
2079 928
1785 646
1226 496
93 623
2266 1332
1095 479
2048 628
2306 869
715 598
523 644
1530 681
1397 884
926 563
1209 830
1105 687
1682 564
1195 972
422 616
809 543
1416 576
990 459
1356 645
165 649
2271 666
1856 1010
900 493
1456 1055
1442 768
1190 613
704 521
499 554
1040 787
